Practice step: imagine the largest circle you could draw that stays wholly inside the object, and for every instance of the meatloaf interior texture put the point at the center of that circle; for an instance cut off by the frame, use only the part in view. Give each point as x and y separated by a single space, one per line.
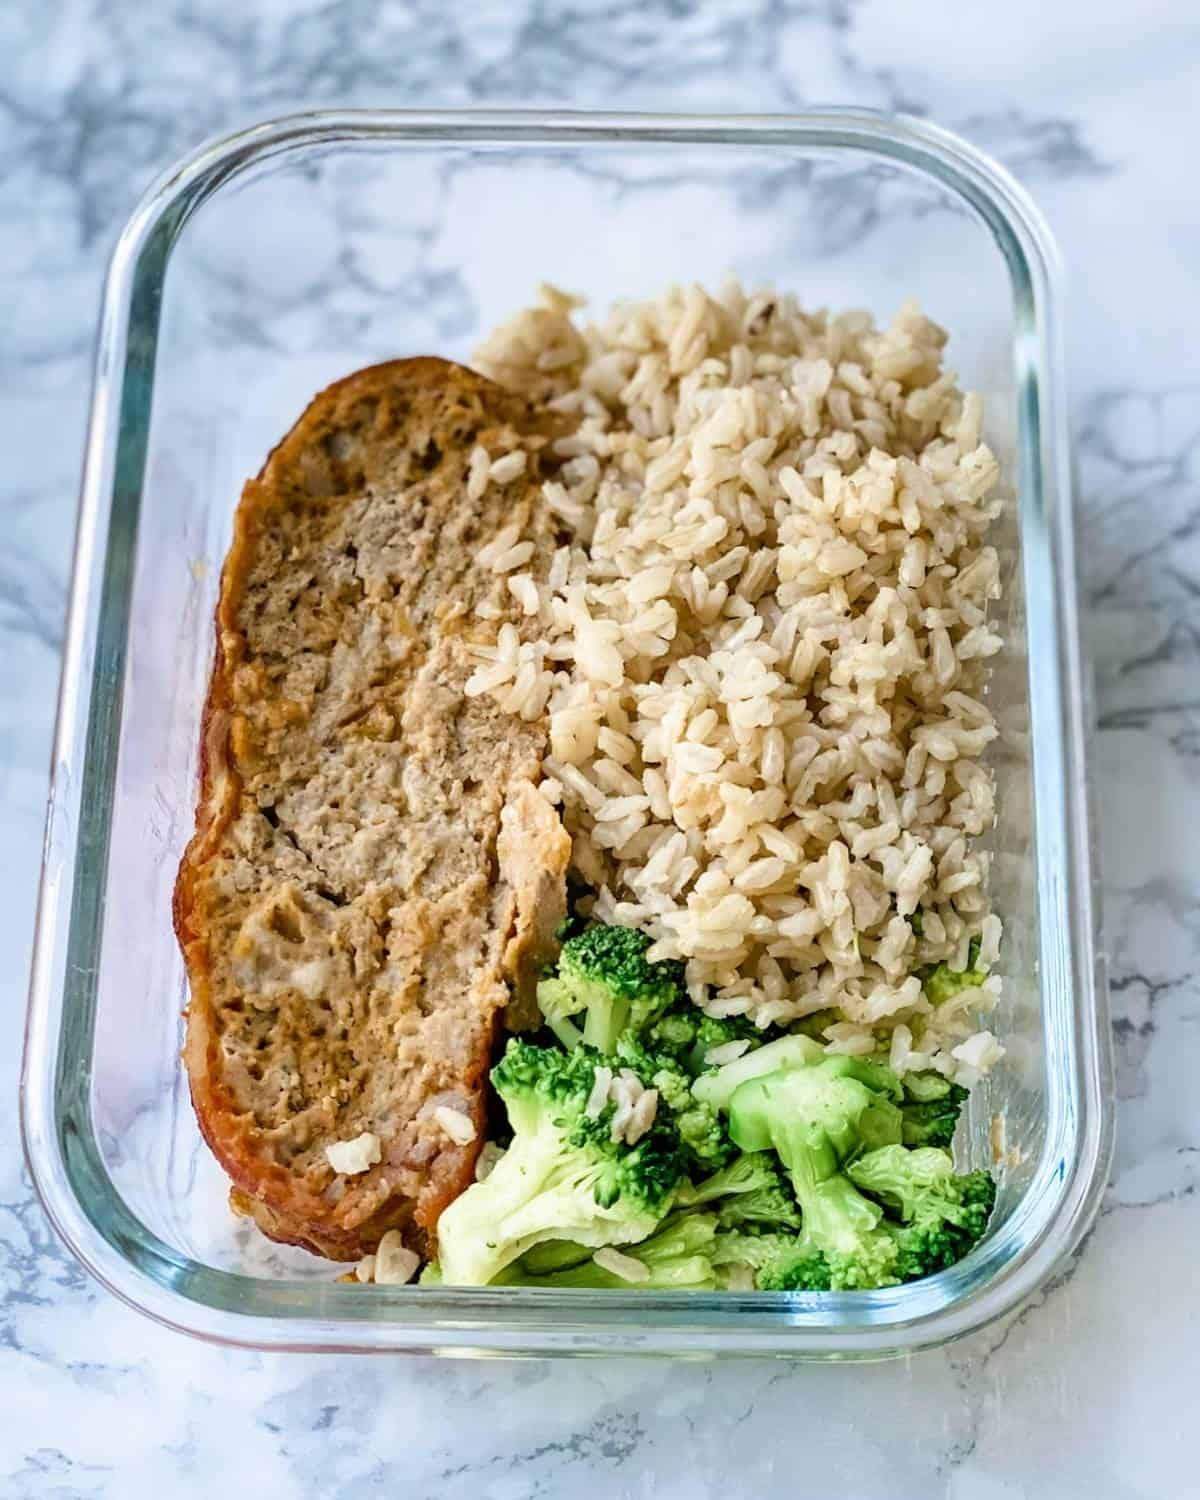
374 877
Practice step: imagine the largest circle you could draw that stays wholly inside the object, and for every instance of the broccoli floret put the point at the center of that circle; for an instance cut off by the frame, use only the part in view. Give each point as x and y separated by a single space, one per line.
751 1171
770 1207
562 1178
702 1132
849 1100
750 1191
940 982
677 1256
873 1212
687 1035
931 1124
931 1107
674 1033
716 1031
916 921
817 1118
943 1215
927 1088
903 1179
802 1270
791 1263
717 1086
780 1262
604 973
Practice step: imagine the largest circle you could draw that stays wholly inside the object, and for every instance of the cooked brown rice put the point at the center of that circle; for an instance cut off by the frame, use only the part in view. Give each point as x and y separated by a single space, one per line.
764 654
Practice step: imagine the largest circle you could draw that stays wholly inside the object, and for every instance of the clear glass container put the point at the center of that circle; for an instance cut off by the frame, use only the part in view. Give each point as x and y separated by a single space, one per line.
274 261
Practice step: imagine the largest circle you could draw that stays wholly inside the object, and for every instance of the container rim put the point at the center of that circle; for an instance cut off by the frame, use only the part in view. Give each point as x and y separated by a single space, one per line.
226 1307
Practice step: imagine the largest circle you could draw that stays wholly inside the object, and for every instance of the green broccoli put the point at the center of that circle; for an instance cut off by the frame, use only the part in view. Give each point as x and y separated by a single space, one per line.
817 1118
676 1256
943 1214
718 1031
717 1086
873 1211
550 1255
674 1033
928 1087
702 1132
780 1262
931 1107
687 1035
941 983
562 1178
904 1179
814 1025
603 972
750 1191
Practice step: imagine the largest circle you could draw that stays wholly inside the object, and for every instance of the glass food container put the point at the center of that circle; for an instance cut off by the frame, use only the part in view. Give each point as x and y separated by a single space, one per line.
274 261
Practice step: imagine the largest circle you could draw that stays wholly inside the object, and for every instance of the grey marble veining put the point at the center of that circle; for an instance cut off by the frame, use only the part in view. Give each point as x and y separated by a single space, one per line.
1087 1392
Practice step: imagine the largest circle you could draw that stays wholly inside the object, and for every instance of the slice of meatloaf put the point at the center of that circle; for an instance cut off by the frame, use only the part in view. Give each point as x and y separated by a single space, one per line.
373 874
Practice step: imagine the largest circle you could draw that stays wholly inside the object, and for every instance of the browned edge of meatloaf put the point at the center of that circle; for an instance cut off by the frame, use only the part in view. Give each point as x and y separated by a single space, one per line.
288 1210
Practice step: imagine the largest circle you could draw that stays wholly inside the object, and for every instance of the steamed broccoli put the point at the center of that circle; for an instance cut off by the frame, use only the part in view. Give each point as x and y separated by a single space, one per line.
750 1191
674 1033
550 1255
717 1086
931 1107
780 1262
817 1118
943 1214
702 1131
685 1034
562 1178
603 972
676 1256
940 982
717 1031
906 1180
873 1211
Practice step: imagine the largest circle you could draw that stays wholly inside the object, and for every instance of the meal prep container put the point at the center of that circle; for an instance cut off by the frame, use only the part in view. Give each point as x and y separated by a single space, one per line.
272 262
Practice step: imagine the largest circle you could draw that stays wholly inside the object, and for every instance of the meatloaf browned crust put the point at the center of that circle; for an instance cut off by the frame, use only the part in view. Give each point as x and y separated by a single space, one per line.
373 873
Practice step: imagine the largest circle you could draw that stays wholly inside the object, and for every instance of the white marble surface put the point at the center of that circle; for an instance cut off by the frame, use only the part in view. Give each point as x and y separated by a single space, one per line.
1091 1391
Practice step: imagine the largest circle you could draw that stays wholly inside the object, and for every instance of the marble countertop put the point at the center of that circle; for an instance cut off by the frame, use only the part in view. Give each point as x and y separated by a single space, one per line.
1086 1392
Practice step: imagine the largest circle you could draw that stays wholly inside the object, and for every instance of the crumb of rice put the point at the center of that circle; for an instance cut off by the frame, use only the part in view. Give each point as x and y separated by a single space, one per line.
998 1138
601 1082
349 1158
981 1051
634 1105
627 1267
395 1263
458 1126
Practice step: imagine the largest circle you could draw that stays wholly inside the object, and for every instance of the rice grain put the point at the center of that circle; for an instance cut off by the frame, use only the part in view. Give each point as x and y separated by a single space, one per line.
764 654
